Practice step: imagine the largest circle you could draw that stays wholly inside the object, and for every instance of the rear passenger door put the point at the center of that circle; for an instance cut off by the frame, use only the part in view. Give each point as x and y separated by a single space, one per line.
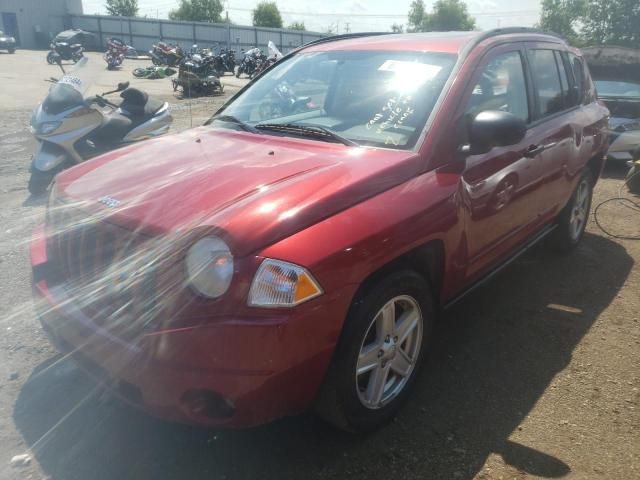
558 121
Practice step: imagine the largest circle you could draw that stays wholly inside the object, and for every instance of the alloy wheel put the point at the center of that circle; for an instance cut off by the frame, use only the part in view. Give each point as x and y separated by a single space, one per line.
389 352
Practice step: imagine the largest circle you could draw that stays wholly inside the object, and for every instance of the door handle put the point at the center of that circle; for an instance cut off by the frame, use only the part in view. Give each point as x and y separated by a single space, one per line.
534 150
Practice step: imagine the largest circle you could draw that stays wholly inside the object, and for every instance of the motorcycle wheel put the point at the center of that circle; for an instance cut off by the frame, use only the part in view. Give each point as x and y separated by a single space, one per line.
50 58
139 72
156 61
39 181
76 57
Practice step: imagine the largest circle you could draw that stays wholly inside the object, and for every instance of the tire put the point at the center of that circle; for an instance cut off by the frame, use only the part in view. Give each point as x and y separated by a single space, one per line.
50 57
139 72
633 179
156 61
12 51
39 181
350 400
574 217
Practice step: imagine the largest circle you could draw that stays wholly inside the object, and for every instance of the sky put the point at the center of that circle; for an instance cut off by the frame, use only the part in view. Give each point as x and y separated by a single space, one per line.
355 15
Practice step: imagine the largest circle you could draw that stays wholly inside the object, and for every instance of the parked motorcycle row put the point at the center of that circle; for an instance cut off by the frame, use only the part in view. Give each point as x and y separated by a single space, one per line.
71 126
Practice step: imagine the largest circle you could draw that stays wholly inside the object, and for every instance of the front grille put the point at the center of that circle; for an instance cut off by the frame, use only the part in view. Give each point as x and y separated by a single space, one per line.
109 272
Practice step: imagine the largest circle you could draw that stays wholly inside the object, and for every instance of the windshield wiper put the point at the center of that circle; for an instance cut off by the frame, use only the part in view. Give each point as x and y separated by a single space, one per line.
315 131
231 119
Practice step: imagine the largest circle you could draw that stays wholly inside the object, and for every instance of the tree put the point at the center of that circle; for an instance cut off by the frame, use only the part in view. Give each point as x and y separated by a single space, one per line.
416 16
266 14
296 26
562 17
122 8
448 15
616 22
198 11
395 28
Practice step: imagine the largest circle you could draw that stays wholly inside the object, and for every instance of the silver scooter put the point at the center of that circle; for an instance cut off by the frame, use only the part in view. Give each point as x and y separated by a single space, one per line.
70 129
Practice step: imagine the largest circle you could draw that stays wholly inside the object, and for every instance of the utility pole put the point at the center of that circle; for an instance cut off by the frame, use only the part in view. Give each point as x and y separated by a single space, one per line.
346 28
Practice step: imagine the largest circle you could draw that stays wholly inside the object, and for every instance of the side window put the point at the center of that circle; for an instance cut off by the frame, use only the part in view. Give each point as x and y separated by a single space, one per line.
501 86
577 68
546 81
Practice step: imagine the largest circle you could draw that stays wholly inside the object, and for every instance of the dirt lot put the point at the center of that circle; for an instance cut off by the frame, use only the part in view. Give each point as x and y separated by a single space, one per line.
536 375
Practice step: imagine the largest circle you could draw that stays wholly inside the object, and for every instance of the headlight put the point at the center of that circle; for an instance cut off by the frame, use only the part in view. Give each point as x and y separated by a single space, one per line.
282 284
48 127
209 267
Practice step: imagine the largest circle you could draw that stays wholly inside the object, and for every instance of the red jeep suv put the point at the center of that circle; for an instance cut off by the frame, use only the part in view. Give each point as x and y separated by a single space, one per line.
296 250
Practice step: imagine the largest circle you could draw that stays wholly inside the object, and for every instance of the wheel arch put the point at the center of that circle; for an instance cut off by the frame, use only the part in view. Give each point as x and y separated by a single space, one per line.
427 260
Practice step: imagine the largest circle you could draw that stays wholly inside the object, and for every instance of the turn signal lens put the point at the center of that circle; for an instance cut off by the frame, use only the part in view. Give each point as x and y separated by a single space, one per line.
282 284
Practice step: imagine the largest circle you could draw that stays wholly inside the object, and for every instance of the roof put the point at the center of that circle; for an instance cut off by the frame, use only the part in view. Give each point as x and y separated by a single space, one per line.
445 42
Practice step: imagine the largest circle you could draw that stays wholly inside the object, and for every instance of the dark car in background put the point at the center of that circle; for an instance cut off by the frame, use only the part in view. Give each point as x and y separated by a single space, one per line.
7 42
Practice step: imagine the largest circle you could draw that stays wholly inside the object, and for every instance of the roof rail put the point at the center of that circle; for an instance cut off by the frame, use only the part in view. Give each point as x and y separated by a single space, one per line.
344 36
507 30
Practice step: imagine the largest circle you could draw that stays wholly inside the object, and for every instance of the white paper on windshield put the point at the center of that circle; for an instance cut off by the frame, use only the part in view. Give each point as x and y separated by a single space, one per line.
423 71
75 82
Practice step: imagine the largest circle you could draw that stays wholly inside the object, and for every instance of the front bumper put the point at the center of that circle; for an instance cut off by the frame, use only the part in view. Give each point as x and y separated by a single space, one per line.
7 45
234 372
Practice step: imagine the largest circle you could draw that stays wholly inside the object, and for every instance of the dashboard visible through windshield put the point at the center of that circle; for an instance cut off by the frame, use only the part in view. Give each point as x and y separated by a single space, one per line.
376 98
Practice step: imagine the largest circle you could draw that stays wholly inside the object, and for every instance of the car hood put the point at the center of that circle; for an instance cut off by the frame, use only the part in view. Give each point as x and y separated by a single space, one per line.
253 189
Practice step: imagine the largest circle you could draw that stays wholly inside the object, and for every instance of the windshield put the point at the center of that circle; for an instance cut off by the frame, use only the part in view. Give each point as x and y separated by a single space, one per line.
608 88
70 90
371 98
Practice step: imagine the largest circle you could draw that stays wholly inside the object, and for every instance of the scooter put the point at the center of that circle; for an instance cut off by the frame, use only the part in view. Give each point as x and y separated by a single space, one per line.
70 129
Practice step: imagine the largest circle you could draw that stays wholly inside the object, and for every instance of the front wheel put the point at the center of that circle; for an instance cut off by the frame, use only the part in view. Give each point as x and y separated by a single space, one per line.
573 218
39 181
76 57
12 51
51 58
379 354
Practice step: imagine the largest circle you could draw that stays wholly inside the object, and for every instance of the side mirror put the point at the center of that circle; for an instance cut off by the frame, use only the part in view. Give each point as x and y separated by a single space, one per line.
122 86
494 128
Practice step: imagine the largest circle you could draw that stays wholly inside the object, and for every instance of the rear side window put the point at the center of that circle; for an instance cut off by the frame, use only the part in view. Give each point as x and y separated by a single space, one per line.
546 79
577 68
501 86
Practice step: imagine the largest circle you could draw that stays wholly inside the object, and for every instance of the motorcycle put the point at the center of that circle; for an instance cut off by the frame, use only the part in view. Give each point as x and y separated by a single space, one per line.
198 75
249 64
266 62
70 129
114 56
225 61
164 54
153 72
65 51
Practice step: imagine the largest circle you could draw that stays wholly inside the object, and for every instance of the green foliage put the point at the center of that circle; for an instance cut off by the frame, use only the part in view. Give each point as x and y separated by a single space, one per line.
563 17
122 8
296 26
593 22
266 14
449 15
417 12
446 15
198 11
614 22
395 28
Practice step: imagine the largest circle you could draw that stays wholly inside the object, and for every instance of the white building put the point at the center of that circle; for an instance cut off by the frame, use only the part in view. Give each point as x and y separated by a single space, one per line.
34 22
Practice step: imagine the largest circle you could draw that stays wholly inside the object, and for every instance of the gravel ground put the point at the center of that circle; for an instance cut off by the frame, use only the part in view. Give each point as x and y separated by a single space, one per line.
535 375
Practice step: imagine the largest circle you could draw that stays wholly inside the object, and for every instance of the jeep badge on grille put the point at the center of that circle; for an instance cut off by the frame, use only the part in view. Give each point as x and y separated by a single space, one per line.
109 202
